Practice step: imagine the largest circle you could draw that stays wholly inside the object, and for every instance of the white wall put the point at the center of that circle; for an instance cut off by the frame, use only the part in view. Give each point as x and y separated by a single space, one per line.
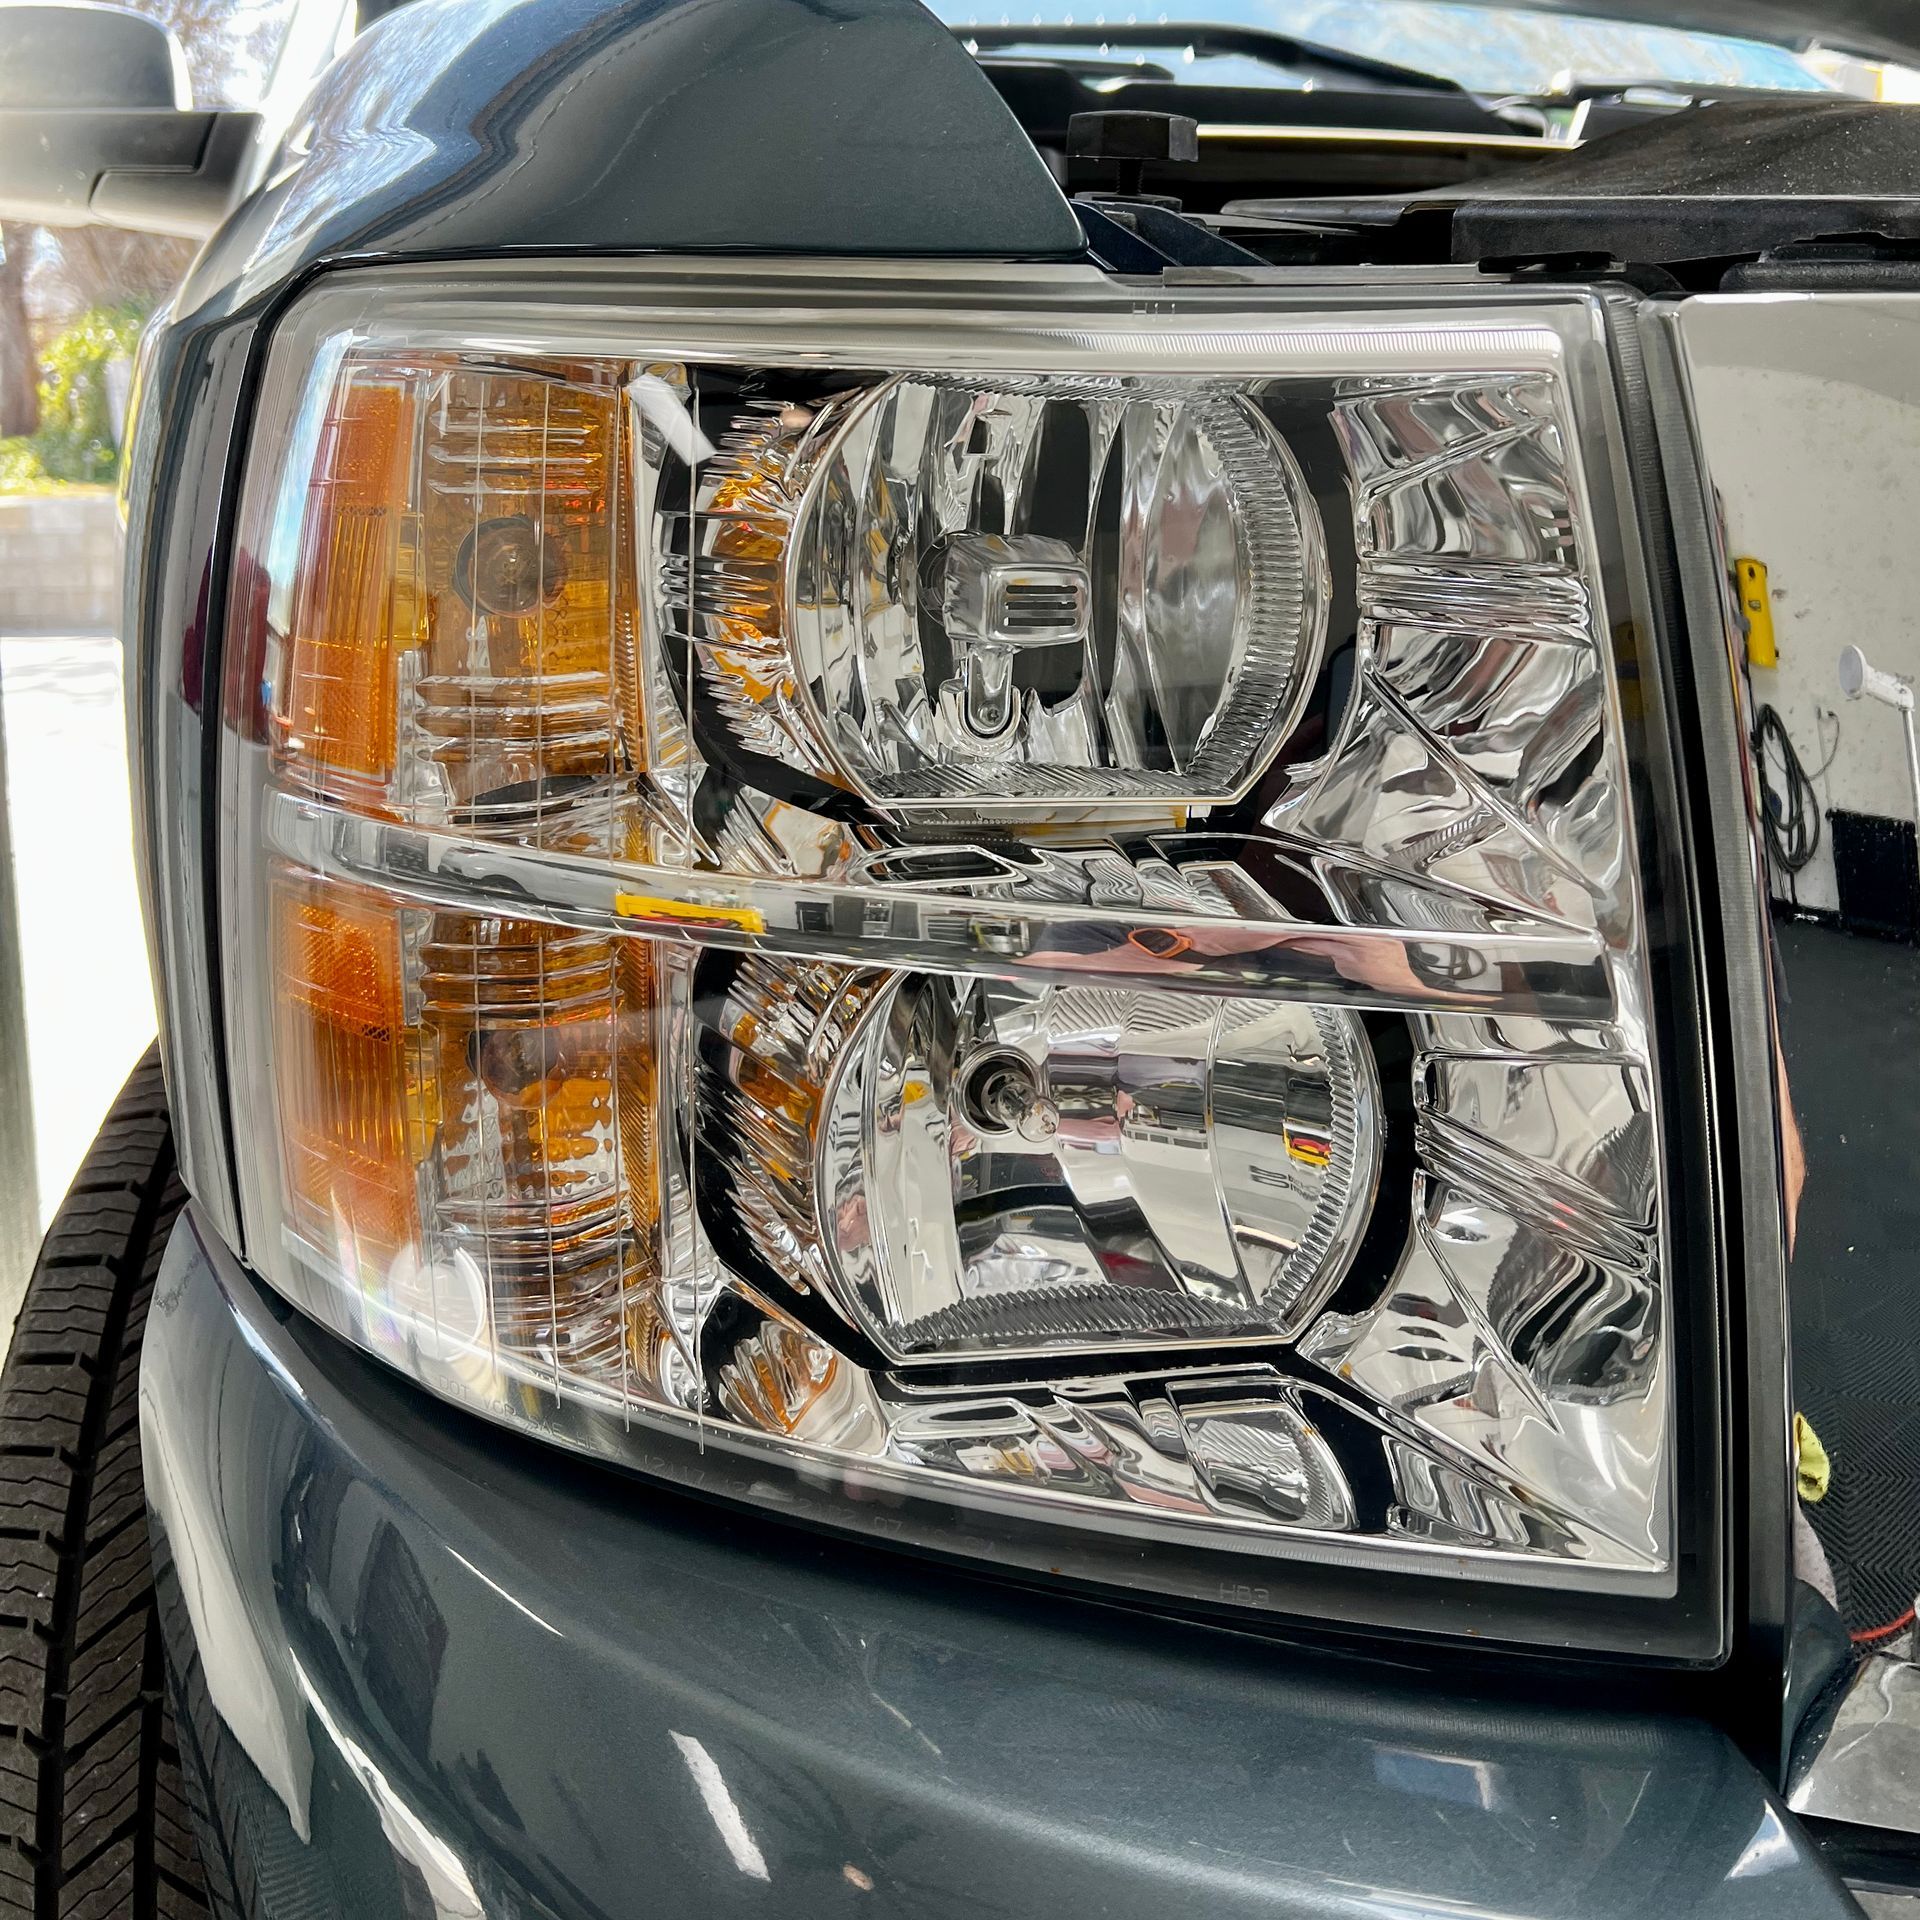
59 563
1819 477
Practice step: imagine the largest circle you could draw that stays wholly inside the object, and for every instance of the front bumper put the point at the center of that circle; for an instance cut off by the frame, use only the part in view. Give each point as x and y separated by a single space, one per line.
426 1668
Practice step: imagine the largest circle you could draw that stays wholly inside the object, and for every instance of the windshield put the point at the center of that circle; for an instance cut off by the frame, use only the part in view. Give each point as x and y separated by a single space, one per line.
1489 50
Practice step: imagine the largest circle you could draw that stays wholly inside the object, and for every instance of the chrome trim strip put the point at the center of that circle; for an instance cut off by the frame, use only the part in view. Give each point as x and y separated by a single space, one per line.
1552 975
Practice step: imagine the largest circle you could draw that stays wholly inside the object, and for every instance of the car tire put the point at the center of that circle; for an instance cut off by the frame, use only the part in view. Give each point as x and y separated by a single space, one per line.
94 1819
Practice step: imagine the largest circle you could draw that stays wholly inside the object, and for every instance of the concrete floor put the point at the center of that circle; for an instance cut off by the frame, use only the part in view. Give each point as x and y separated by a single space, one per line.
87 1001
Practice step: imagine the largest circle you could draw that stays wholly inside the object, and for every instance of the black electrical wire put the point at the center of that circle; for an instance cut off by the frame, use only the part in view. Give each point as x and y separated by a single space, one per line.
1792 817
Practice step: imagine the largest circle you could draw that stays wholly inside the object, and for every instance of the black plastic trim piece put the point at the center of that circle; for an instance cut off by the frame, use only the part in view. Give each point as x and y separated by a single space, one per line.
1713 183
1742 1067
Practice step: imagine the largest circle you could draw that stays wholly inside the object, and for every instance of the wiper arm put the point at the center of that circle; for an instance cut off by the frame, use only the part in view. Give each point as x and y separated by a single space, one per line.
1258 44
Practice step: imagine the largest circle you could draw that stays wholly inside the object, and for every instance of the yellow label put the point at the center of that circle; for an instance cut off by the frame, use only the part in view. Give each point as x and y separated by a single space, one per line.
647 906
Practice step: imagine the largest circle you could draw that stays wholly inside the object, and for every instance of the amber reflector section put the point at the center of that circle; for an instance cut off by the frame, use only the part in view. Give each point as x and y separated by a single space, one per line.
463 605
347 1110
470 1110
774 1379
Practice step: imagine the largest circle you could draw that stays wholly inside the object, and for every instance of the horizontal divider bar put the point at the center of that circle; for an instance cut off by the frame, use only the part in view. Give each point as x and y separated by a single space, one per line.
1549 974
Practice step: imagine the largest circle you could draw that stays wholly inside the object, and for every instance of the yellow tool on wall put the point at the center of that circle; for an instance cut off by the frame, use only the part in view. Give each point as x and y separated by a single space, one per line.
1756 607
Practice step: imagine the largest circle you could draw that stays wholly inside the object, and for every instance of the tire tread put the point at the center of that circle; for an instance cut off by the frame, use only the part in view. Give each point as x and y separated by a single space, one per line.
94 1814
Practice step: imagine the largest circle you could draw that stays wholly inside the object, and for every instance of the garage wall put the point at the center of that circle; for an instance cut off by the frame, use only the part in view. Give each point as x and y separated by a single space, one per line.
1819 478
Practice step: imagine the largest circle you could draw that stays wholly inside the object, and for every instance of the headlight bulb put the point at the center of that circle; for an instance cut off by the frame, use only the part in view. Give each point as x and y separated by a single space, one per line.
1001 1092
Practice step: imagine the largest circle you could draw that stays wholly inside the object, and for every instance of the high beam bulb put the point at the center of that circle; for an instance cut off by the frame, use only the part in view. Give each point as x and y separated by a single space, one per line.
1003 595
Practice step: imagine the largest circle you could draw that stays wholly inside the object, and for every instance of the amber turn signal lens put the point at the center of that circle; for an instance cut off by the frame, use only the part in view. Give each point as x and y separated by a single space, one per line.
463 601
337 710
347 1111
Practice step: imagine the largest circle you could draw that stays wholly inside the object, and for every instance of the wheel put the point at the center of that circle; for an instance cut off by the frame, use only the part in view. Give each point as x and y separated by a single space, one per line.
94 1820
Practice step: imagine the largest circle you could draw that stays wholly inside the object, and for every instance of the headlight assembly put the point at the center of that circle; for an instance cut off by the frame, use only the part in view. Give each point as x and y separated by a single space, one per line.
1022 900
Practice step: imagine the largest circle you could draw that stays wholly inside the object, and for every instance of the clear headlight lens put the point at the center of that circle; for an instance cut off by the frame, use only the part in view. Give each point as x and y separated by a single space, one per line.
1021 908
